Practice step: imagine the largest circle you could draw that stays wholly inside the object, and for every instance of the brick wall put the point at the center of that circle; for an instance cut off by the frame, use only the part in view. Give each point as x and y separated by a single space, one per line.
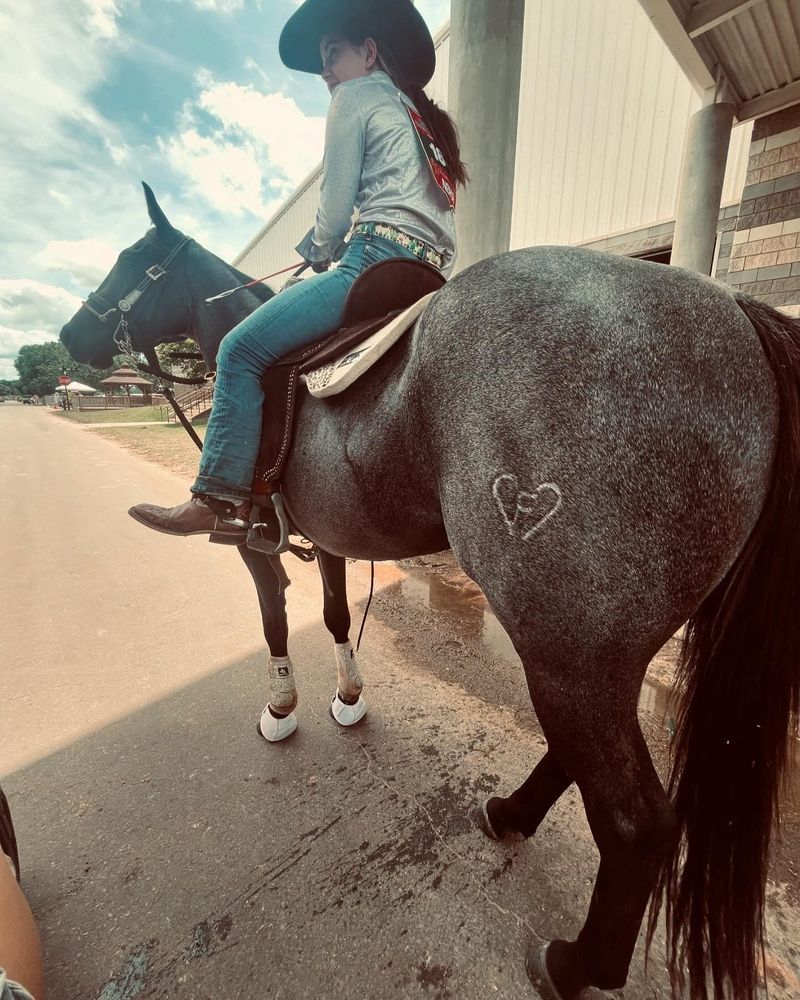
765 249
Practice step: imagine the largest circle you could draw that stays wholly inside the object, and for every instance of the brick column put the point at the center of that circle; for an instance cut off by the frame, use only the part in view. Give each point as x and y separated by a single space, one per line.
765 255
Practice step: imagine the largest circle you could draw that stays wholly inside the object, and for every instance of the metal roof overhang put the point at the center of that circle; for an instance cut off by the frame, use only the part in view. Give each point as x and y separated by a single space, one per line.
748 51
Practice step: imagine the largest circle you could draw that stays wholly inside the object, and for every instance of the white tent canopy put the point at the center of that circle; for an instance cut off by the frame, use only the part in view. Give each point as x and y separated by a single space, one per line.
75 387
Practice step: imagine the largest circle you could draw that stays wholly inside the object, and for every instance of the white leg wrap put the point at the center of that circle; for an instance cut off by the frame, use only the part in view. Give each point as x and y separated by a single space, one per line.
282 691
347 706
347 673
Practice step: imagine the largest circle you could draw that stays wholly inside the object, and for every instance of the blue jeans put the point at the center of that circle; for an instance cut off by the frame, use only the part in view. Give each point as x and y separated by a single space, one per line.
295 318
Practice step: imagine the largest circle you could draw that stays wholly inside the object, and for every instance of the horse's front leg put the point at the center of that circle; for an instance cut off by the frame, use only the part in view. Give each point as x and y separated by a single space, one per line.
278 719
347 705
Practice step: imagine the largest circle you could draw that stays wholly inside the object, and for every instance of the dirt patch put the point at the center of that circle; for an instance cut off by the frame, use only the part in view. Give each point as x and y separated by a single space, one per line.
165 444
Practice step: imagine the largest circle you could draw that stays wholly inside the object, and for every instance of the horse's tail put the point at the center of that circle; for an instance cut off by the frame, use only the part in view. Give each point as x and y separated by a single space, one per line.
740 667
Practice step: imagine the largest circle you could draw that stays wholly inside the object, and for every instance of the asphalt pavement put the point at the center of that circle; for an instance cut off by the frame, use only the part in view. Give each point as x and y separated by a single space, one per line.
168 851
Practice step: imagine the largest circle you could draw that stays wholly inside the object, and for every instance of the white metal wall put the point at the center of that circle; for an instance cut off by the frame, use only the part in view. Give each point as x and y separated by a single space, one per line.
602 123
273 248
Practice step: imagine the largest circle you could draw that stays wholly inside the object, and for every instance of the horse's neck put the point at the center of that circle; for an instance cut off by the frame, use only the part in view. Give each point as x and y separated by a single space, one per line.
212 320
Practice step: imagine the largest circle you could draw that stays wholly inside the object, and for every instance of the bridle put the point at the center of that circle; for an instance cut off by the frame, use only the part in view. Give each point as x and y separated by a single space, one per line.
102 310
127 302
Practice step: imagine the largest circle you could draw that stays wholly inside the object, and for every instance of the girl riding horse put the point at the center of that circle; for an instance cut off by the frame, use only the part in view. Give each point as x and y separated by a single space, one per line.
391 154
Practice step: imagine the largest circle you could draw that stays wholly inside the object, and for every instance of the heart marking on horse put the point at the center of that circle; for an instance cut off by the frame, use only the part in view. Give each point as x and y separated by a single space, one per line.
543 504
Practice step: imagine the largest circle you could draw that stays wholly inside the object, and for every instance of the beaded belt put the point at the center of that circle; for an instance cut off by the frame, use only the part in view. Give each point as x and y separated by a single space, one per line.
419 248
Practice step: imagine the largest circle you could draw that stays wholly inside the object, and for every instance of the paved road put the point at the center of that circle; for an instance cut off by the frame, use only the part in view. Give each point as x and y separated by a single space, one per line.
169 852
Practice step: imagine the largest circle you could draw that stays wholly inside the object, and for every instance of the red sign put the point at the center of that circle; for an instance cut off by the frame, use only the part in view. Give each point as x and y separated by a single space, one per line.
64 379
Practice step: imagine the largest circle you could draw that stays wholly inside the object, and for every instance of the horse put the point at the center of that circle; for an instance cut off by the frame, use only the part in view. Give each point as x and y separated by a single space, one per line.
611 449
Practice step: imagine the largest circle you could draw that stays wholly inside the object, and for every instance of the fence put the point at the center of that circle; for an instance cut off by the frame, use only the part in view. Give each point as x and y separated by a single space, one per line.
114 402
78 402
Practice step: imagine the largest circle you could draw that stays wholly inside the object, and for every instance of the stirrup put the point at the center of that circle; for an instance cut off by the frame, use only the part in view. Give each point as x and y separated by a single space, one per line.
257 537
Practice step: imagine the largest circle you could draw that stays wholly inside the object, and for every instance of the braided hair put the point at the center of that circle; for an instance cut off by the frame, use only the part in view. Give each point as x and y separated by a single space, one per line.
443 129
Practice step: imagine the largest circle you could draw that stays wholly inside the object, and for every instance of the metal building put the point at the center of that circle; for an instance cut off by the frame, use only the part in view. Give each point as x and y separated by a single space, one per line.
610 94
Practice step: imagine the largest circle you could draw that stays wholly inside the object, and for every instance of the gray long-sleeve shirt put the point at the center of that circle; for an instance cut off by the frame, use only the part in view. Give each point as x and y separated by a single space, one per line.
374 164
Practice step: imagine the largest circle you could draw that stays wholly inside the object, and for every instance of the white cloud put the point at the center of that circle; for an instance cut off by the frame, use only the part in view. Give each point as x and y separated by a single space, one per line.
293 142
55 55
38 39
228 176
31 312
118 152
101 18
63 199
219 6
88 260
259 150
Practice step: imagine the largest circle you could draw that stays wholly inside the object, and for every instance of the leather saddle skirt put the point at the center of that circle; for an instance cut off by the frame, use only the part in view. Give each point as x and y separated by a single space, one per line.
379 295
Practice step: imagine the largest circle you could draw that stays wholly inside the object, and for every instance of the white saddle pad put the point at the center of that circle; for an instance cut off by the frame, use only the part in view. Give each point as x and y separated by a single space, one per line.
338 375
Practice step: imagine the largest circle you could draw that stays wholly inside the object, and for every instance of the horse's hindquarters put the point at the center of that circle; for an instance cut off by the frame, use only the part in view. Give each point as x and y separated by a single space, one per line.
600 468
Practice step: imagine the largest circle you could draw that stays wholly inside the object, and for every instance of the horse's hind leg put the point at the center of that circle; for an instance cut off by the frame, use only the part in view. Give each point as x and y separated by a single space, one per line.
347 705
592 729
520 814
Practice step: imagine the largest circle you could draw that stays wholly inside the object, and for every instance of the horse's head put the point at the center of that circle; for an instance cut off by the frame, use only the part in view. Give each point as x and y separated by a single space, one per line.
136 297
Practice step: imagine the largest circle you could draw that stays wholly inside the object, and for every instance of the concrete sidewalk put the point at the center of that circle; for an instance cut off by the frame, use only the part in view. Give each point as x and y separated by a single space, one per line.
127 423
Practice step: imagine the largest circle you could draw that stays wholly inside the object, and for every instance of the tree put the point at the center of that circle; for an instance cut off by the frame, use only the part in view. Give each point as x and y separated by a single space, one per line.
9 388
171 361
39 366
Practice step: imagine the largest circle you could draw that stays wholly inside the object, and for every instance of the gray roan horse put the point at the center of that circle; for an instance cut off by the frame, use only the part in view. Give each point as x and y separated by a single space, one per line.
611 448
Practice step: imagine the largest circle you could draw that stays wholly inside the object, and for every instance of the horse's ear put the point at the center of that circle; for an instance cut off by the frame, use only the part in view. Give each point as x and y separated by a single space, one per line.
164 227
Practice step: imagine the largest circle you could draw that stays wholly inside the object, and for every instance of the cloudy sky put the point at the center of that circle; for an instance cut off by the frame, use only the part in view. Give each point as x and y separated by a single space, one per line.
97 95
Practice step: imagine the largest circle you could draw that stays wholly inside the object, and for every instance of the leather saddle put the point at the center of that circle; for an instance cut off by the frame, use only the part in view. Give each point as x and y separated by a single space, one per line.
379 294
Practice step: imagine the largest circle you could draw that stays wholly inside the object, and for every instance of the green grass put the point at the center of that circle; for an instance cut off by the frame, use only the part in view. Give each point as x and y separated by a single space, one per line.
121 415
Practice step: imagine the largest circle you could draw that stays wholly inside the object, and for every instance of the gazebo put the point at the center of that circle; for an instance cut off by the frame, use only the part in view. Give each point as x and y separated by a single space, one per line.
125 378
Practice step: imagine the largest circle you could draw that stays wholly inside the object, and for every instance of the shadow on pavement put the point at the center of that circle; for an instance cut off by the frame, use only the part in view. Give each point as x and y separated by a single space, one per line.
175 854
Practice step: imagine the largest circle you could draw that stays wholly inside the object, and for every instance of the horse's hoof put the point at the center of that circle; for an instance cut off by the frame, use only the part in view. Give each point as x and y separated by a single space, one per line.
347 715
536 967
541 959
480 817
274 730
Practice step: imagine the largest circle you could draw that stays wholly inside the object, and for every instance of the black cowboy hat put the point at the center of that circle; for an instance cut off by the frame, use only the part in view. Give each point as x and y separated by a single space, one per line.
396 25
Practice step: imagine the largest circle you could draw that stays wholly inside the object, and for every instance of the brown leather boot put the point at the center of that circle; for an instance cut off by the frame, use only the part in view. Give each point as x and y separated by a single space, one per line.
229 526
